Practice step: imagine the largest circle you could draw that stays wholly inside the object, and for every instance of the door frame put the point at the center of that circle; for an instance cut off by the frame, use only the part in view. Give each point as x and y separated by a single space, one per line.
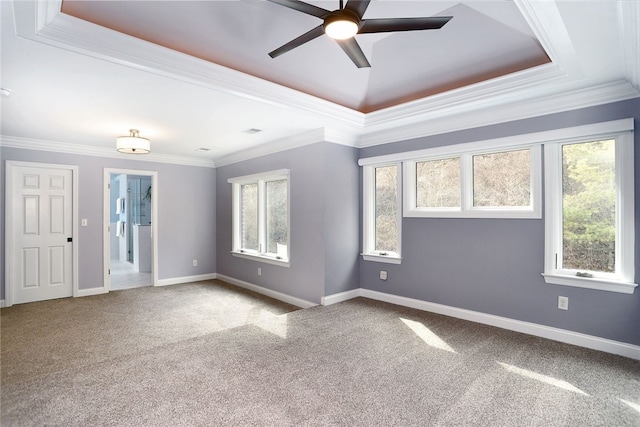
106 222
9 219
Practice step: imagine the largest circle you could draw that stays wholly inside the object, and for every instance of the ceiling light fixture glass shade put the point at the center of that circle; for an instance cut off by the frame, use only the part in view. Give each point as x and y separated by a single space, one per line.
133 144
341 26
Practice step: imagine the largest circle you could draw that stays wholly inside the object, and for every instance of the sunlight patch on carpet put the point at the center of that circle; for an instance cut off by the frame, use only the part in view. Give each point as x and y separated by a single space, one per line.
276 324
631 404
542 378
427 336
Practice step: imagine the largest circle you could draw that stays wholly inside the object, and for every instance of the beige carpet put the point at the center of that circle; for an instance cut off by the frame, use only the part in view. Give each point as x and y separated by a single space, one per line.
357 363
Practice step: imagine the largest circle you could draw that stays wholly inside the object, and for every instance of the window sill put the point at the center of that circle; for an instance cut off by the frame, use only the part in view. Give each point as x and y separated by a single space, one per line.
261 258
382 258
590 283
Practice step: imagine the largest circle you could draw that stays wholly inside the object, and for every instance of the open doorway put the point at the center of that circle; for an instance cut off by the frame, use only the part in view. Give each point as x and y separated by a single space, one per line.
130 252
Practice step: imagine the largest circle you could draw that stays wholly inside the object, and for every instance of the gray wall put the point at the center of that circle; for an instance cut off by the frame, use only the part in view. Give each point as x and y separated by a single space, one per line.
342 219
494 265
324 191
186 205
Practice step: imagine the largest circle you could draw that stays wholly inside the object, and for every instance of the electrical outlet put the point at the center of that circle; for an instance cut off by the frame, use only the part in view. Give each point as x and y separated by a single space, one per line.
383 275
195 262
84 222
563 303
259 271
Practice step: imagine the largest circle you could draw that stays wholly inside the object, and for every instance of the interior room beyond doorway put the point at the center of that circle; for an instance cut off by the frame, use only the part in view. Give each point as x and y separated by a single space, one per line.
130 231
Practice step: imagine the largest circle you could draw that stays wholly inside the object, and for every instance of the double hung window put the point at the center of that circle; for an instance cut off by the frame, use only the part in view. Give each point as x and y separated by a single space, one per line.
261 216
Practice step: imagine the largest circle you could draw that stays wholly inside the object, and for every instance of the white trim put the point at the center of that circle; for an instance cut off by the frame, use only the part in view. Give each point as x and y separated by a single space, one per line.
261 180
507 142
298 302
340 297
466 208
262 258
9 238
437 118
267 176
186 279
106 222
82 37
91 291
554 273
382 258
546 89
279 145
2 303
629 39
368 215
590 283
85 150
548 332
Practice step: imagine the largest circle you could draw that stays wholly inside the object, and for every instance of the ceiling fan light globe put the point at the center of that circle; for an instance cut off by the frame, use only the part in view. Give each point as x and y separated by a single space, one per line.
341 29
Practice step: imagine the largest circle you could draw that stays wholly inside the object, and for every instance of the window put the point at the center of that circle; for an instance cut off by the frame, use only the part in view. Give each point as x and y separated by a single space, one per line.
261 216
488 184
382 213
589 212
438 184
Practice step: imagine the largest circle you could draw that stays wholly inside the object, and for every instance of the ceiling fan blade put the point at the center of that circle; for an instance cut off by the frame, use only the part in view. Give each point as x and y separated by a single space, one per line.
308 36
303 7
402 24
358 6
353 51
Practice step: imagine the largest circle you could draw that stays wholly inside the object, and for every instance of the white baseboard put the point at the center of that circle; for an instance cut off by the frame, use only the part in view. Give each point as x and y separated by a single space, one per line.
2 303
90 291
298 302
186 279
339 297
556 334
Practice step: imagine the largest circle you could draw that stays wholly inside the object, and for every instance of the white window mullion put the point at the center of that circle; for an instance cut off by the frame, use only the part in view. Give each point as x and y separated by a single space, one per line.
466 182
625 221
368 209
235 196
262 211
553 209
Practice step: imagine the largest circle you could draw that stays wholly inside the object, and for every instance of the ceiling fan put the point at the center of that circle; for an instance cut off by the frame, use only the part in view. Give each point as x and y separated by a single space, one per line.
344 23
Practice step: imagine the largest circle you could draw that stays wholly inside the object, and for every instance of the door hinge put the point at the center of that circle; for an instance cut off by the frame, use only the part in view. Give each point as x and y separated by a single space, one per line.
109 272
109 186
556 261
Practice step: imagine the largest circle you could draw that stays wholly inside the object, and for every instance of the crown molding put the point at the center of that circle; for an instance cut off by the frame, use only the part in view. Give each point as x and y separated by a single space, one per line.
629 19
551 88
84 150
445 122
283 144
42 21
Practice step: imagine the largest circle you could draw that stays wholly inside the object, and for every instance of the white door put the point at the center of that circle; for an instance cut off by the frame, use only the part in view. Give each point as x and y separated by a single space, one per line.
41 256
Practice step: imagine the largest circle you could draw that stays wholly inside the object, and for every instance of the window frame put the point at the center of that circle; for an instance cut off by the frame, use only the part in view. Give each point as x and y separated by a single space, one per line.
466 209
623 279
368 210
261 180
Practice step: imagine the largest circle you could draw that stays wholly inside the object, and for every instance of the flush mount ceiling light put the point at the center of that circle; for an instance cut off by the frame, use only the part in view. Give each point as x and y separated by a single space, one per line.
133 144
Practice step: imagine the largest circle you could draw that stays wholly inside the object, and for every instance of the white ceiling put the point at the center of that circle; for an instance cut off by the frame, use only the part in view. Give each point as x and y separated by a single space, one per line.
76 85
